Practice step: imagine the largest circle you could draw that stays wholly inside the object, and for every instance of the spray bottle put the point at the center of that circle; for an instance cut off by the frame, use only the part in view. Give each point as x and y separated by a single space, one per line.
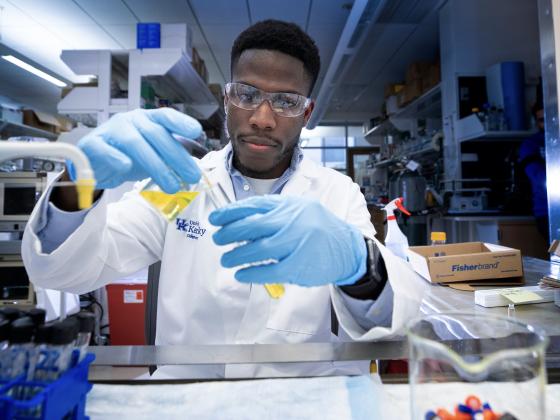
395 240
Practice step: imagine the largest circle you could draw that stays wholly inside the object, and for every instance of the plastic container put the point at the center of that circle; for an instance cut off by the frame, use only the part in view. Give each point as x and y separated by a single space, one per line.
395 240
438 238
63 398
497 360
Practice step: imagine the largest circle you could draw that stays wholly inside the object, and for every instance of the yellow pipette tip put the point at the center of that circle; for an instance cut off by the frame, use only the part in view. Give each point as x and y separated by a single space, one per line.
85 188
276 291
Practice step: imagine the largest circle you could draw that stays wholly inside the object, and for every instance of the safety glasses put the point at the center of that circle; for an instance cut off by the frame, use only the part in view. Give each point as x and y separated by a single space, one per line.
282 103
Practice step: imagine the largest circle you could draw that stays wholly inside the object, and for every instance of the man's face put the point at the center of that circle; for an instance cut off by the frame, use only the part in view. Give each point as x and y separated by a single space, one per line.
263 141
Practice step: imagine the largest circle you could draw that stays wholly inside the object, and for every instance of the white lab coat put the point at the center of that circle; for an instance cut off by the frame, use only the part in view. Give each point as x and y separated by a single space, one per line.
199 301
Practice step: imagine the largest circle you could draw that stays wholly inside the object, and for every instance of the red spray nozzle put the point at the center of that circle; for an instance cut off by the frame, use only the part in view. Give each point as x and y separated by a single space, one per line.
400 206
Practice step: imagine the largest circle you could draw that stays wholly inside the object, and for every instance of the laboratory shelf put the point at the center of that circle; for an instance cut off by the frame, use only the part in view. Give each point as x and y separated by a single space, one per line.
471 129
168 70
497 136
381 129
11 129
413 154
427 105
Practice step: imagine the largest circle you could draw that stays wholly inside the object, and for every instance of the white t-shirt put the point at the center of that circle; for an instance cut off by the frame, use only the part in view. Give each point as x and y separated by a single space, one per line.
261 186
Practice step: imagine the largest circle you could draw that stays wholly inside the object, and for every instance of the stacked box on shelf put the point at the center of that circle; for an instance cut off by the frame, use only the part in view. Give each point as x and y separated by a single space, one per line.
217 91
10 115
432 76
41 120
177 35
393 89
199 65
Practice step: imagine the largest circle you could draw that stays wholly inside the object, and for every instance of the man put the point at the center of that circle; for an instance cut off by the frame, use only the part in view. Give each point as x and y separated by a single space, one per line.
311 221
532 159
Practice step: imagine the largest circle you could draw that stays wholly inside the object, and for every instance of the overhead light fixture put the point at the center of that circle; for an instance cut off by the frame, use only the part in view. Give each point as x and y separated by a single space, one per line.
34 70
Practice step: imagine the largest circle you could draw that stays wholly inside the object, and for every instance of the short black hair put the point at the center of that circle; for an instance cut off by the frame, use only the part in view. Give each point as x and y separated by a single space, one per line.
285 37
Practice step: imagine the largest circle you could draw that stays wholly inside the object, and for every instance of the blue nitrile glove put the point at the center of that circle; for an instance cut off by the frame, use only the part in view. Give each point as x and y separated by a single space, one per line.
138 144
313 247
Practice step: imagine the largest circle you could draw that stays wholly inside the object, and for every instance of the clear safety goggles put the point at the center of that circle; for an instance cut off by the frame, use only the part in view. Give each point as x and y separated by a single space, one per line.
282 103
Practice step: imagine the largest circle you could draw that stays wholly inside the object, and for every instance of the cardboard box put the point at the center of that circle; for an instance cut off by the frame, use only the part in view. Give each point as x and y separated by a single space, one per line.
196 60
10 115
393 89
416 71
466 262
410 92
177 35
432 77
41 120
65 124
392 104
218 92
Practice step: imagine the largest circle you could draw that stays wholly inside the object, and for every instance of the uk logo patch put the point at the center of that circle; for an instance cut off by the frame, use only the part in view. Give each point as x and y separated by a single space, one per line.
191 228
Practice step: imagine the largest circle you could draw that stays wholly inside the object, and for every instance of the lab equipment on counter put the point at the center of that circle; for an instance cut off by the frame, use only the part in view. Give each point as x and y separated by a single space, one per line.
15 287
497 359
413 188
479 263
86 322
471 409
85 181
41 374
468 195
517 295
438 238
395 240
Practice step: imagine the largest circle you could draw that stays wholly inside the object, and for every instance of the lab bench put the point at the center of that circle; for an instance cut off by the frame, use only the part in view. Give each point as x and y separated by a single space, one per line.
437 299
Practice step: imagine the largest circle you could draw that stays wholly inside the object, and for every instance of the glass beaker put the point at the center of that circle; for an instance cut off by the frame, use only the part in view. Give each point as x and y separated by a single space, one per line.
460 361
170 205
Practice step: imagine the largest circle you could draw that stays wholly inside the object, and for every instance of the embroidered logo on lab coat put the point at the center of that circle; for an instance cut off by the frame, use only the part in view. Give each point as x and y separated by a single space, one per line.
191 228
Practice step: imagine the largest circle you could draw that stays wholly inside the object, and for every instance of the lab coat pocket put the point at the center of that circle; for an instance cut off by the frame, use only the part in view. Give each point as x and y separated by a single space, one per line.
301 310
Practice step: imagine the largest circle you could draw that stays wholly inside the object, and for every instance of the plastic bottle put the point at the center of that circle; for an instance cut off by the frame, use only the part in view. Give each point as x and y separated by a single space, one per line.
38 316
502 124
438 238
60 346
22 349
41 339
11 314
4 348
395 240
86 325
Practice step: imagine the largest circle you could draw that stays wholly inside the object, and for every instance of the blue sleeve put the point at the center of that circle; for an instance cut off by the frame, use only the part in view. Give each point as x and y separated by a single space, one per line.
55 226
372 313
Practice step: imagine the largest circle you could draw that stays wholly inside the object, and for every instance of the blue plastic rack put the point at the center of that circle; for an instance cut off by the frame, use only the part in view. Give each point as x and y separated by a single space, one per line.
63 398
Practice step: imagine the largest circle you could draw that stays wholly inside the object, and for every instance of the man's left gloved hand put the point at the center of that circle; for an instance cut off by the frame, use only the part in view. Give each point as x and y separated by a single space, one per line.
311 245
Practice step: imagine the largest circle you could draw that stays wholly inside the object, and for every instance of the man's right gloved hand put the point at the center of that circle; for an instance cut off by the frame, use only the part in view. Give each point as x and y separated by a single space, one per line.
138 144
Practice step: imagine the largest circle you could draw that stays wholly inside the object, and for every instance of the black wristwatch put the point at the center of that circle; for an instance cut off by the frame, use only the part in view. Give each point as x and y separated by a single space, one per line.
372 283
